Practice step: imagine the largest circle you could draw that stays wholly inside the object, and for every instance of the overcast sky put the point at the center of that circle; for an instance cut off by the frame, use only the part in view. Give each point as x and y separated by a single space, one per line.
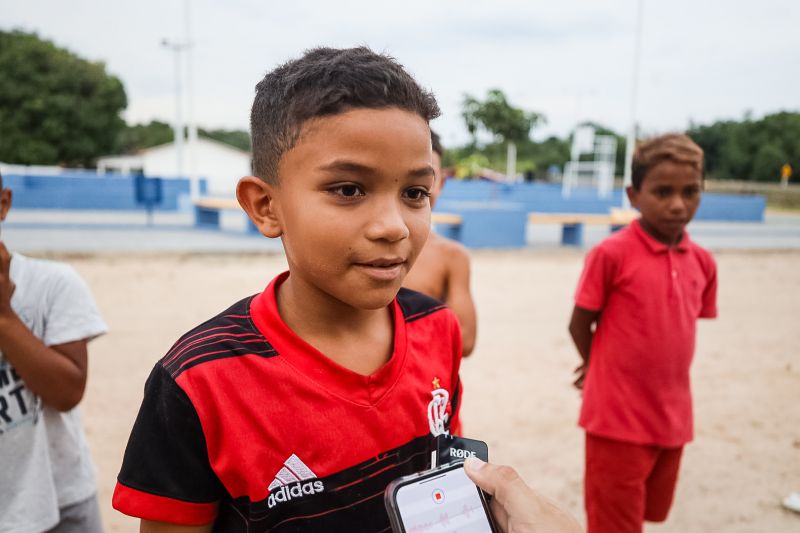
571 60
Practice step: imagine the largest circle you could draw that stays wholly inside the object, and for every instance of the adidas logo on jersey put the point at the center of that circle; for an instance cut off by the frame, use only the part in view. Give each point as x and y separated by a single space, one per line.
292 481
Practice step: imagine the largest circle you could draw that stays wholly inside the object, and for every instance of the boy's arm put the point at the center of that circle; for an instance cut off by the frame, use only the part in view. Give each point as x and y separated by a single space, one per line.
58 373
580 329
459 298
166 475
148 526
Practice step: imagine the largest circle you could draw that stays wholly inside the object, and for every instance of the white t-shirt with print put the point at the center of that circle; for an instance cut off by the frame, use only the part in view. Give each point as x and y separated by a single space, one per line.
44 460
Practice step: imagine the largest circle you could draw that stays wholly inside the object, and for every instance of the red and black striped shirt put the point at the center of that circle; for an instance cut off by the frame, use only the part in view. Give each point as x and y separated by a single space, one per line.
246 425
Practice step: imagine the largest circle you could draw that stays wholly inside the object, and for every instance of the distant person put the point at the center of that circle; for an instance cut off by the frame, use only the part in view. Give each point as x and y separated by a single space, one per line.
636 307
47 318
294 408
442 270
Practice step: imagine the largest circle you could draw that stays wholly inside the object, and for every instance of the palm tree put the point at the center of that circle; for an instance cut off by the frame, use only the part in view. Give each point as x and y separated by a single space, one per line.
506 123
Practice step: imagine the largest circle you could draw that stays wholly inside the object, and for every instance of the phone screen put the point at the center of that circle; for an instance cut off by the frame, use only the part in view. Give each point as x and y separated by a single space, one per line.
447 502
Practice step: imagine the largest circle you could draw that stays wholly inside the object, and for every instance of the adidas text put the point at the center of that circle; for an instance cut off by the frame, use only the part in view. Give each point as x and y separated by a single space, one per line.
286 493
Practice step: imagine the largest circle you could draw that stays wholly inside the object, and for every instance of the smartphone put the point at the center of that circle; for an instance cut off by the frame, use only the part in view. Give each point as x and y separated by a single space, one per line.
440 500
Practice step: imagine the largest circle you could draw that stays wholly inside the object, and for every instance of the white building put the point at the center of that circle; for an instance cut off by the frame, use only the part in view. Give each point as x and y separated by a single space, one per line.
220 164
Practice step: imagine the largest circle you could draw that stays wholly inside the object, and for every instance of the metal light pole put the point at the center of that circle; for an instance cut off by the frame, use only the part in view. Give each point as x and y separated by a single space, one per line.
194 180
177 48
631 141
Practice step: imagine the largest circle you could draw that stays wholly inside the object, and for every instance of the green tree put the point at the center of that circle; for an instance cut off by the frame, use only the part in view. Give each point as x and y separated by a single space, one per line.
768 161
505 122
140 136
155 133
237 138
750 149
55 108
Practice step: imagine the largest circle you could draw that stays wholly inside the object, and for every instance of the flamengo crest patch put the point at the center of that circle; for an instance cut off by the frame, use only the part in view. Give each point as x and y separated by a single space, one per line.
437 409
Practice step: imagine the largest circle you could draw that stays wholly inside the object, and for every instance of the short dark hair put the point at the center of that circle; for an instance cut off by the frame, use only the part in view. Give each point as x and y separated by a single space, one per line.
675 147
324 82
436 144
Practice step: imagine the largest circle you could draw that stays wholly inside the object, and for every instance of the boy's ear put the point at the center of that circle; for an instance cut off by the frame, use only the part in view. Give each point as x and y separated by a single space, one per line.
257 198
5 202
633 196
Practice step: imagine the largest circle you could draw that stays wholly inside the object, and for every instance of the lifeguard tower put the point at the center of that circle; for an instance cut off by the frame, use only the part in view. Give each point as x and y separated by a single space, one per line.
595 171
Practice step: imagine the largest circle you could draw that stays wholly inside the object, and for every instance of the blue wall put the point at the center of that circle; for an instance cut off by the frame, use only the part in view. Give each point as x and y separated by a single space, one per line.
87 190
459 196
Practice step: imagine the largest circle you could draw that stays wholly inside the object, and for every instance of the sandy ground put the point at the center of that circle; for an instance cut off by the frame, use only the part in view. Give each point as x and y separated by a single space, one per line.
518 397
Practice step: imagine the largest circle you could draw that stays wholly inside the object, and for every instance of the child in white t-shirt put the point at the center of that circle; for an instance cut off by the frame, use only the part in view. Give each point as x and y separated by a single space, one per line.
47 318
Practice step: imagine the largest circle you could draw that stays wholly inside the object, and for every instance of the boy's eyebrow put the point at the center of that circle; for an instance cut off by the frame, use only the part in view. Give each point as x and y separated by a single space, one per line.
357 168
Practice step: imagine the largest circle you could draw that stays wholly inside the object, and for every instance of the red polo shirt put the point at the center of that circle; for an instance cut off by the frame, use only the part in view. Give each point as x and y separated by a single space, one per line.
650 296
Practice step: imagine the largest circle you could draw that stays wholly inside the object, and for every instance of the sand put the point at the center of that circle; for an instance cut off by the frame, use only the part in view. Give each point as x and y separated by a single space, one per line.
518 397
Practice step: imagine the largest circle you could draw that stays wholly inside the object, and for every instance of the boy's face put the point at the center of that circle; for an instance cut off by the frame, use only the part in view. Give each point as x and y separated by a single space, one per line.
667 199
352 203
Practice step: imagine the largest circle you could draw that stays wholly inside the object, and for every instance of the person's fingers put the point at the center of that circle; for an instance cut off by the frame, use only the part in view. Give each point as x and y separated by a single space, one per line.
485 477
503 482
479 472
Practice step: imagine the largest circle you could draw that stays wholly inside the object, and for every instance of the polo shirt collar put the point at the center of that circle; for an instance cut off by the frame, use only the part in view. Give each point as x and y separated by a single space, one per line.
656 246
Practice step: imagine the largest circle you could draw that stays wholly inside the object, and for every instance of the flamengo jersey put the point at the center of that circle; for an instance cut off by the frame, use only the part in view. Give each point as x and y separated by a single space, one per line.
246 425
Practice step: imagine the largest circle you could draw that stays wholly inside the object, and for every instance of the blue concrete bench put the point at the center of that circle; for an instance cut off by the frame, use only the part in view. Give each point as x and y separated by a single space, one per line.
448 225
207 212
572 223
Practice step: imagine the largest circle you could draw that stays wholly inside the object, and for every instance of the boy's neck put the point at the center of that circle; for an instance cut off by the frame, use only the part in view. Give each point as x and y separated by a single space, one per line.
663 239
361 340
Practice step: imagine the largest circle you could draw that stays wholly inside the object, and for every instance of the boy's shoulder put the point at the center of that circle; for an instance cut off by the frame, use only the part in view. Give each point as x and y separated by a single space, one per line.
228 334
40 282
448 248
704 257
416 305
36 268
617 245
233 332
699 251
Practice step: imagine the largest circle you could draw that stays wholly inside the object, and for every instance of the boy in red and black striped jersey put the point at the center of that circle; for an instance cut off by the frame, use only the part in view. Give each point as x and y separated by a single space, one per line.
293 409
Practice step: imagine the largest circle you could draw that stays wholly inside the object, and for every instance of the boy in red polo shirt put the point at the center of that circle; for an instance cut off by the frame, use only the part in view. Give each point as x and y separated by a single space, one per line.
636 307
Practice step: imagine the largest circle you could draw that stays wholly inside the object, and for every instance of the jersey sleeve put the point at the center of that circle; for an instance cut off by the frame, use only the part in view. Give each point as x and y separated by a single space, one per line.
166 475
596 280
709 308
71 311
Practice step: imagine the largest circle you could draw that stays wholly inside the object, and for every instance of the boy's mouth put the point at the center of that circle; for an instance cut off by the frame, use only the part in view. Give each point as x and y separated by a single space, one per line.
674 223
383 262
384 269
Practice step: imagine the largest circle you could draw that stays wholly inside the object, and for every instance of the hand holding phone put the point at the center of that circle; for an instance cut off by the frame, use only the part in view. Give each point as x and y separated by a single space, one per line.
440 500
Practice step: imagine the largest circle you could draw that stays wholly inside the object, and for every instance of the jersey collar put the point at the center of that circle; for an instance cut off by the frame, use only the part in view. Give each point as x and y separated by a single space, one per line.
317 367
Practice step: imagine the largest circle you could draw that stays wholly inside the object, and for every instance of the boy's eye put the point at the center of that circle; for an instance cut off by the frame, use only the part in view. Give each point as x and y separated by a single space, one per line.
691 192
663 192
347 190
417 193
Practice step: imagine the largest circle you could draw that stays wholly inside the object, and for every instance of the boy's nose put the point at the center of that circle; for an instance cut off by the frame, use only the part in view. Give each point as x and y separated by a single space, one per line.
677 204
387 223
